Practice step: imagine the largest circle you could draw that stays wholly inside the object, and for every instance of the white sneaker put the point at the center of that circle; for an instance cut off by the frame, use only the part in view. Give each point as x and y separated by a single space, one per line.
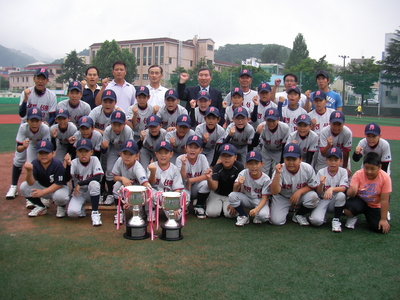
38 211
121 218
256 220
302 220
82 214
96 220
336 225
61 211
29 204
109 200
388 216
351 223
12 192
242 220
46 202
200 212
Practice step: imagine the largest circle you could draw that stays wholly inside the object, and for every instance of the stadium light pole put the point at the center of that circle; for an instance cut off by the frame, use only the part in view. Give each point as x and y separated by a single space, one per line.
344 66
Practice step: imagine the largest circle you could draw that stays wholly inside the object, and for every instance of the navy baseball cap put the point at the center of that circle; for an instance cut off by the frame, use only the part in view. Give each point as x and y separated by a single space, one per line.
164 145
171 93
61 112
194 139
228 149
372 128
319 95
109 94
253 155
245 72
45 146
271 114
184 120
42 71
142 90
240 111
322 73
203 95
85 121
153 120
294 88
237 90
118 116
334 151
263 86
75 85
212 111
34 113
84 144
337 116
131 146
304 118
292 150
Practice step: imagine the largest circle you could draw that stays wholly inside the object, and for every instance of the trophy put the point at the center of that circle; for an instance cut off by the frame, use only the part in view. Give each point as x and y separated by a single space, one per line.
136 227
171 230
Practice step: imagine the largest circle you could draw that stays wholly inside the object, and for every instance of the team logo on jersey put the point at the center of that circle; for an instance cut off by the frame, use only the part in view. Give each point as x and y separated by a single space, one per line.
108 93
42 144
252 154
291 149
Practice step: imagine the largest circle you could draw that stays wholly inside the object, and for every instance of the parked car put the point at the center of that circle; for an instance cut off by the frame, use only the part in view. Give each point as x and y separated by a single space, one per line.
371 102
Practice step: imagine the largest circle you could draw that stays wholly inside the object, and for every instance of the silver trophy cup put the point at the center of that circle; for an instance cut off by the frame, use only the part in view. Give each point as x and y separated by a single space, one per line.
171 201
137 198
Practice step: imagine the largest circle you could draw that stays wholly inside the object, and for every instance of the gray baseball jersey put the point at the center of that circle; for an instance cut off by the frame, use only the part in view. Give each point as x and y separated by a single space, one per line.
322 120
254 188
215 137
75 113
290 116
80 172
136 173
309 143
167 180
199 117
63 136
96 139
340 179
46 102
115 141
241 139
141 119
180 143
383 149
194 170
229 114
168 119
273 140
248 99
150 143
283 94
290 182
261 109
101 121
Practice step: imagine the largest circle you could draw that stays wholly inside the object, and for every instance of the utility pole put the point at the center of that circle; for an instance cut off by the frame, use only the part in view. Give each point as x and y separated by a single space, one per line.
344 83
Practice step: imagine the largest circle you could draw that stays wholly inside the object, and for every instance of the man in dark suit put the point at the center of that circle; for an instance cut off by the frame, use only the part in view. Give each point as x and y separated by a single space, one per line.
204 77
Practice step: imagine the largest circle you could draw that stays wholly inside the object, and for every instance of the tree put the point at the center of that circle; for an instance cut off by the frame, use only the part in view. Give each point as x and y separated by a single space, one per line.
232 53
362 76
307 69
174 78
391 63
274 53
72 68
109 53
4 84
299 52
258 74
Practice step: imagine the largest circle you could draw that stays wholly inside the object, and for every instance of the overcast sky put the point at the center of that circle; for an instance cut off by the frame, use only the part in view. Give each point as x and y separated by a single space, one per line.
343 27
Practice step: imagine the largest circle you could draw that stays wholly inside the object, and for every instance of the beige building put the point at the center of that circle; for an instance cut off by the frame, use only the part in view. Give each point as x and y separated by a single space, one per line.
167 52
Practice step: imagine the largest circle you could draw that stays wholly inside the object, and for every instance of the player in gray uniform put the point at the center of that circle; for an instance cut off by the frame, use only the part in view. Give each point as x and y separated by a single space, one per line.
28 135
305 138
261 103
273 136
320 115
211 132
138 113
86 130
240 133
245 79
198 113
292 110
113 138
86 173
101 114
335 135
179 136
171 110
76 107
292 185
334 182
62 131
236 100
149 139
39 96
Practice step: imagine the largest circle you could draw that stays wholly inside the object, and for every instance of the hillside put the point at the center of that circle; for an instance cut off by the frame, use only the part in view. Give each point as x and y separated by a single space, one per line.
11 57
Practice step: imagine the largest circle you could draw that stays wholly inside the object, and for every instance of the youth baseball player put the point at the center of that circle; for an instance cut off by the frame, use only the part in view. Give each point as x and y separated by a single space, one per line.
171 110
62 131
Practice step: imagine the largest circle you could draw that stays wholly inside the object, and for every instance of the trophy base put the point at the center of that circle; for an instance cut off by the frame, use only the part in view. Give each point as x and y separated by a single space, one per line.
136 232
171 233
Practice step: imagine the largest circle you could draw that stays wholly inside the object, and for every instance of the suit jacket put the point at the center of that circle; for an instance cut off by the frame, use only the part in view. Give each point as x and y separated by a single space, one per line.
191 92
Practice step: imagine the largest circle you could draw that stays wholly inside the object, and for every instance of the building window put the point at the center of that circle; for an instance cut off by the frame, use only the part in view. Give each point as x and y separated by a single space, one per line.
58 71
93 54
170 60
27 79
137 77
17 79
23 79
156 55
145 76
133 51
210 47
144 56
161 55
150 55
191 63
138 56
209 62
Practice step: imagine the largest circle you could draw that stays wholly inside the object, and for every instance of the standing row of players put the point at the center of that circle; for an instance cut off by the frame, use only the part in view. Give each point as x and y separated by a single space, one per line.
173 125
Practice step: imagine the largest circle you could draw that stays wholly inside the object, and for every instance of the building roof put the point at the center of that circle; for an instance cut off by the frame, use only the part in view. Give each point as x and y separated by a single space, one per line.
225 63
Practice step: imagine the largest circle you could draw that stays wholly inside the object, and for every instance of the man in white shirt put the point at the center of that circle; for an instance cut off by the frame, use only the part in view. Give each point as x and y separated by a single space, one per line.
157 91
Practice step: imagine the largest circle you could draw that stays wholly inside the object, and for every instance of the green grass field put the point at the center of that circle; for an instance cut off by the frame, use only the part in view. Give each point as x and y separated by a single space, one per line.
49 258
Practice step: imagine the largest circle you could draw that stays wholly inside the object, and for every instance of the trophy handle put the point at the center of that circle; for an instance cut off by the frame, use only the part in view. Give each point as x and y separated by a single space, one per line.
148 195
183 207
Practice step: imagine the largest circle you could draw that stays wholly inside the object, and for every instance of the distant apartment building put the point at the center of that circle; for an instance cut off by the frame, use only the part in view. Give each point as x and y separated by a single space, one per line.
168 53
5 71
